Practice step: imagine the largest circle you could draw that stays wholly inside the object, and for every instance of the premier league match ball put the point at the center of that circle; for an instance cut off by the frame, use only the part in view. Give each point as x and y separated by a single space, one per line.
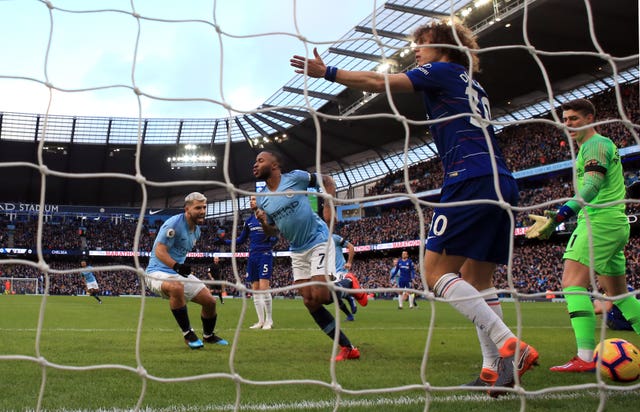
620 360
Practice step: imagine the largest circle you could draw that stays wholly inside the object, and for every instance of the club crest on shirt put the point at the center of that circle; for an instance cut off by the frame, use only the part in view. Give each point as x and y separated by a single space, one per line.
171 233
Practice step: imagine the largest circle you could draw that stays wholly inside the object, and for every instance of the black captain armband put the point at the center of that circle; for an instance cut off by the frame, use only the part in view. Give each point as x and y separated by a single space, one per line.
313 180
595 168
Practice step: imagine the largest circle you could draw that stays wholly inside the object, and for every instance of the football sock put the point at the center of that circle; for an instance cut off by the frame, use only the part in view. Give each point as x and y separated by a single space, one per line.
583 321
209 325
411 299
97 298
267 302
451 286
489 349
343 307
182 317
327 323
630 308
259 305
344 283
400 300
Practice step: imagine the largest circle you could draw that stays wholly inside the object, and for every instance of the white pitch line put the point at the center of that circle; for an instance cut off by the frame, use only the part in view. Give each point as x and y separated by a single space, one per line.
369 403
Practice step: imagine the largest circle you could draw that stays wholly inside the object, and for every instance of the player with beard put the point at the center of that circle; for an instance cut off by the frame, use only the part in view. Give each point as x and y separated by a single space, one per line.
167 271
312 249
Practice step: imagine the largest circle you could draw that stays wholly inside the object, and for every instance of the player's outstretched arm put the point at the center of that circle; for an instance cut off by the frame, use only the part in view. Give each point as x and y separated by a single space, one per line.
367 81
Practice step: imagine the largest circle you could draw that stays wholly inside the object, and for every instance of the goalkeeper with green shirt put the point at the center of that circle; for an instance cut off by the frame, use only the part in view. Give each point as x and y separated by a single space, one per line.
599 181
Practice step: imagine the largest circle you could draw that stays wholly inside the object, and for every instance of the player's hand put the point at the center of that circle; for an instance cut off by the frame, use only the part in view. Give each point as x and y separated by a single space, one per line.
182 269
315 67
261 215
347 266
543 226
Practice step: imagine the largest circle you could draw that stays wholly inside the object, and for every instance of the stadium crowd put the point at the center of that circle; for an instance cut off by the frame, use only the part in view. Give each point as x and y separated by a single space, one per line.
536 268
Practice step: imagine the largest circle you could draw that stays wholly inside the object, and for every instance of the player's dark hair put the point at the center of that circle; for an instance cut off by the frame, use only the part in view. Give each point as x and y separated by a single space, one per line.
276 156
441 32
582 106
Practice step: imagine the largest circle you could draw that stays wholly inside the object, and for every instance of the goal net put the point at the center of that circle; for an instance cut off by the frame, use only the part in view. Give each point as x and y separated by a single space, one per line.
20 286
156 74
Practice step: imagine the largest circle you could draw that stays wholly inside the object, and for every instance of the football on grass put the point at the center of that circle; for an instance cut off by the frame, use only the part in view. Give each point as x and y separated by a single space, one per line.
620 360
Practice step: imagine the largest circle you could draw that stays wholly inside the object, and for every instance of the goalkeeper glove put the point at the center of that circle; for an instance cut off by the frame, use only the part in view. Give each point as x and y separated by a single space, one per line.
182 269
548 228
543 226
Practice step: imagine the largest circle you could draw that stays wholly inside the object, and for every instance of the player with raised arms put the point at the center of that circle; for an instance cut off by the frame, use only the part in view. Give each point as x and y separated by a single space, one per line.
167 271
312 249
465 242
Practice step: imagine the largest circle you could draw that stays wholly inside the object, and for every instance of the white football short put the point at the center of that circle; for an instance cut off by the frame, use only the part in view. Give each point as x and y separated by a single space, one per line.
192 285
319 260
92 285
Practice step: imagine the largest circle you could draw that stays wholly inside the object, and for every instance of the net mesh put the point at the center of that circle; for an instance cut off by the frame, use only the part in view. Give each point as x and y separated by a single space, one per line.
220 30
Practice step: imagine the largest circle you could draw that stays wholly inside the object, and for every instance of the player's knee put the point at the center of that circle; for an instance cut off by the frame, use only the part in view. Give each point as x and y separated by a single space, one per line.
312 302
173 288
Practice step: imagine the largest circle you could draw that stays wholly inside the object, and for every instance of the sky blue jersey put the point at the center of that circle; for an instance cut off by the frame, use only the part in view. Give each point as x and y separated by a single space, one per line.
340 242
175 234
461 143
393 275
88 274
258 241
292 213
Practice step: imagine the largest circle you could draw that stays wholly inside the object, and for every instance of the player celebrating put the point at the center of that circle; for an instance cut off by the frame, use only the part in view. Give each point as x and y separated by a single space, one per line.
92 284
259 265
600 180
175 239
467 240
405 272
312 249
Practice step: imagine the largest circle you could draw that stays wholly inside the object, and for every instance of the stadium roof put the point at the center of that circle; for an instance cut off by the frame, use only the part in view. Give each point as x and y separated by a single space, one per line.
512 75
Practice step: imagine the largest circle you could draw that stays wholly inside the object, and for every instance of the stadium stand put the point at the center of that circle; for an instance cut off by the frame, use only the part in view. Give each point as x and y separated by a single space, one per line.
536 266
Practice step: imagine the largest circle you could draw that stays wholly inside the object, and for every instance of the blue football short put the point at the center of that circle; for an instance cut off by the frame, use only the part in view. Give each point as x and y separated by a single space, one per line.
478 231
259 266
616 320
405 283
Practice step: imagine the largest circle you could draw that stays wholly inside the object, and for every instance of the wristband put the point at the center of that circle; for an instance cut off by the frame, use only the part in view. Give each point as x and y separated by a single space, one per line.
330 73
564 213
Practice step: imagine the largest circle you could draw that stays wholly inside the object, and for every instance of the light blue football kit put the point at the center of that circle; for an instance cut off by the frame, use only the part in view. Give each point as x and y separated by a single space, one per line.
292 213
175 234
89 277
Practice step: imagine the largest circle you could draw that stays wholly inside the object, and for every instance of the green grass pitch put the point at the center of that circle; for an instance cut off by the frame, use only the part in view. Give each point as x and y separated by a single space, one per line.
88 357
